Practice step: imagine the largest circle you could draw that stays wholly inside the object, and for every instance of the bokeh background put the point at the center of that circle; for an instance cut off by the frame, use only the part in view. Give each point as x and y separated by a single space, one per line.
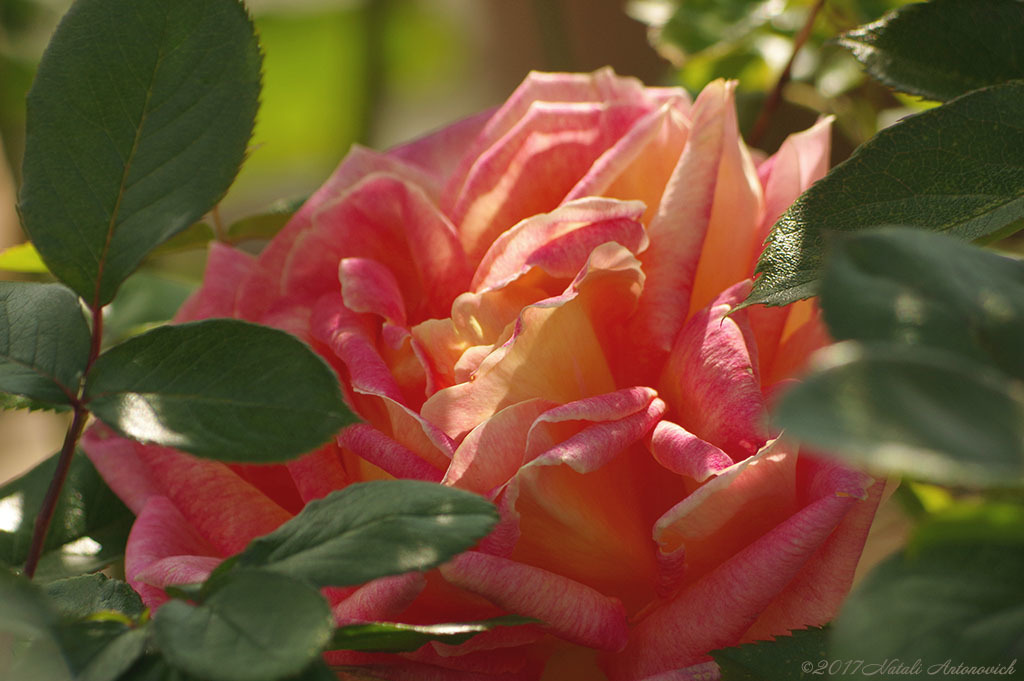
378 72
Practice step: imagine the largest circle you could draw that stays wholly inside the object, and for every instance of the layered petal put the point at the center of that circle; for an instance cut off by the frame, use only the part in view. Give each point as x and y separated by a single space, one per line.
704 211
711 379
568 609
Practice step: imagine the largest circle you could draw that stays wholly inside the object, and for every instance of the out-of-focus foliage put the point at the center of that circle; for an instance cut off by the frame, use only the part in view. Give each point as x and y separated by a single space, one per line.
752 40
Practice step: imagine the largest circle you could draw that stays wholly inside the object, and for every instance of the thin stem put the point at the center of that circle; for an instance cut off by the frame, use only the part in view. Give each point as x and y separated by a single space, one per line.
97 337
771 103
81 415
45 516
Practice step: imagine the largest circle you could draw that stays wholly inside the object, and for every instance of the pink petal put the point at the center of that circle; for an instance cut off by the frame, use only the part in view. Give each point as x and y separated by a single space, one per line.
530 365
439 152
208 494
568 609
800 161
678 230
439 346
639 165
730 510
262 288
559 242
348 335
732 239
177 570
532 167
392 221
226 269
600 86
162 533
495 450
718 609
367 286
614 421
382 600
117 461
318 473
373 446
816 593
683 452
711 380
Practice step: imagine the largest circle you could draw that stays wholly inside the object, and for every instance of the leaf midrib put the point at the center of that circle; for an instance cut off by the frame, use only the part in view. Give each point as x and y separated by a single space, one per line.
122 189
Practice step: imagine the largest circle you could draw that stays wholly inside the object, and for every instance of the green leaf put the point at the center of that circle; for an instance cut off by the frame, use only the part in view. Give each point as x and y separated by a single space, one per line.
9 402
220 388
801 655
373 529
914 287
957 168
135 132
263 226
259 626
22 258
86 509
955 602
78 598
395 637
44 341
24 610
696 25
101 650
916 410
145 298
943 48
992 522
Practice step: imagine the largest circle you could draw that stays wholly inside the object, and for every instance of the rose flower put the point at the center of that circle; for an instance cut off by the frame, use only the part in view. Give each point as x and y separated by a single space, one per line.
533 304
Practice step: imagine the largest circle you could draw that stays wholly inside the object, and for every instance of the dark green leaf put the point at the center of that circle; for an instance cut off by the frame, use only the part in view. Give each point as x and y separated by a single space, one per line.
153 668
373 529
220 388
916 410
24 610
259 626
911 286
44 341
134 132
801 655
958 168
958 602
79 597
943 48
86 508
100 650
394 637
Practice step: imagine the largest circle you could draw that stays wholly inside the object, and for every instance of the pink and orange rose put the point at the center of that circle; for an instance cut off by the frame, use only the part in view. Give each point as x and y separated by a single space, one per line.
533 304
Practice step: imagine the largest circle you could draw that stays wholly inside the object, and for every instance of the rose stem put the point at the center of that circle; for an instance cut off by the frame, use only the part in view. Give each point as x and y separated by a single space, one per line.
771 103
44 518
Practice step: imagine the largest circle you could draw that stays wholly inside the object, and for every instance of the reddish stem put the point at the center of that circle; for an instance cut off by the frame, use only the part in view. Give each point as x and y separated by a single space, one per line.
81 415
771 103
45 516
